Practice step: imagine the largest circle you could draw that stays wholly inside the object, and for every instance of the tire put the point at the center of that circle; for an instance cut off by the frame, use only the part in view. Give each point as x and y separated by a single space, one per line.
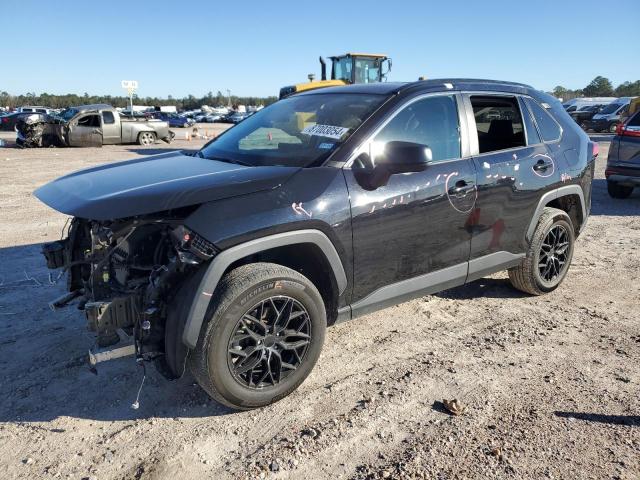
252 291
618 191
146 138
612 128
185 125
536 276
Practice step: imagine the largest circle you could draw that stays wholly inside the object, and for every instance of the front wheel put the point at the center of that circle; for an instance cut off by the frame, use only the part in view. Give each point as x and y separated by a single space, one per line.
185 125
618 191
263 335
146 138
549 255
612 128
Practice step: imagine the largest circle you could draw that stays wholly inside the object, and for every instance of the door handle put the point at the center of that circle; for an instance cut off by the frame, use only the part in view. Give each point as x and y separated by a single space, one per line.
95 130
461 187
542 166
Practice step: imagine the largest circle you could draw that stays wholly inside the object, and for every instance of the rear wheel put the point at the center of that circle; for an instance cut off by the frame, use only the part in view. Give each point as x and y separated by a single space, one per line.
146 138
618 191
549 256
185 125
263 335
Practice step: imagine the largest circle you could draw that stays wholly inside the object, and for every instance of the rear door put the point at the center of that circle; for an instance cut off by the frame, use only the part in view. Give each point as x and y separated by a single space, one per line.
515 168
86 131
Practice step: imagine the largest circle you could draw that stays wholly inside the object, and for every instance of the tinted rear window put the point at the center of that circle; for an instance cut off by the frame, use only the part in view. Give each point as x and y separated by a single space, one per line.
548 127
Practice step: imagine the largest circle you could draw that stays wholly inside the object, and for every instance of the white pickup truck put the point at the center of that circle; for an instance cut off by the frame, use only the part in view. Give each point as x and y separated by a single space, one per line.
89 126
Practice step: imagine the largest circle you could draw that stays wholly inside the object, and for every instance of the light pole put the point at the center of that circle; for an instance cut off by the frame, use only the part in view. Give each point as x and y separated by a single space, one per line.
229 96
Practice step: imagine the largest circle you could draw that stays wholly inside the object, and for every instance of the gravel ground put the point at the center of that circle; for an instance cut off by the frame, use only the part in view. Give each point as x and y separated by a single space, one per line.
551 383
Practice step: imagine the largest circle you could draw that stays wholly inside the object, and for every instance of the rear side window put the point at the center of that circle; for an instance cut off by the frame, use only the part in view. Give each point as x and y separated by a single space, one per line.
635 121
498 123
549 128
107 118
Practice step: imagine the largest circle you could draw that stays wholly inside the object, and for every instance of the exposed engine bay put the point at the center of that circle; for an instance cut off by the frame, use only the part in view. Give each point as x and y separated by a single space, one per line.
124 274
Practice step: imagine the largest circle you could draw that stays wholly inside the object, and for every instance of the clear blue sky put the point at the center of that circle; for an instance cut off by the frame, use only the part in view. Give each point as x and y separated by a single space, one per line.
255 47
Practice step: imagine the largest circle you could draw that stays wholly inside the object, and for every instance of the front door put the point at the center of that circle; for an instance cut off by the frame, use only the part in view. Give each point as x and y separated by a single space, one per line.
85 131
410 236
515 168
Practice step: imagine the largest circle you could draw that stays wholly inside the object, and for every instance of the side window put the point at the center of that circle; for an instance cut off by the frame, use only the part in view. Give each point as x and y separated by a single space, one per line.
549 128
533 138
635 121
432 122
107 118
498 122
572 108
89 121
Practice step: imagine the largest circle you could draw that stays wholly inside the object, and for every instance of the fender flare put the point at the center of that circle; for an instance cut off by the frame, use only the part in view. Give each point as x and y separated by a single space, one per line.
553 195
221 262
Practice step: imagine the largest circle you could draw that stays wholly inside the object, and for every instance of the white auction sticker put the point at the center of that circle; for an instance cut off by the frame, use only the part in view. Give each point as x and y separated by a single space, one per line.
328 131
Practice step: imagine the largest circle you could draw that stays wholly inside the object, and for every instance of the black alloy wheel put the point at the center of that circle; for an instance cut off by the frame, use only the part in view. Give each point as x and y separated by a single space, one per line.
553 254
269 342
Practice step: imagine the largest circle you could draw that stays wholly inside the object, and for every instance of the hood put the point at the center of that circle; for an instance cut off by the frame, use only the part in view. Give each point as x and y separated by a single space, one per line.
155 184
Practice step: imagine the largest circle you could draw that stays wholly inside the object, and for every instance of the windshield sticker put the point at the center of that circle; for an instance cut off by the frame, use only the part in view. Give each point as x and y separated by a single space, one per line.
328 131
325 146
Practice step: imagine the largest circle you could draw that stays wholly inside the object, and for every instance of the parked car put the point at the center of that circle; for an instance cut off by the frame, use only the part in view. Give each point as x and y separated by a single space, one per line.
623 163
8 121
609 117
88 126
322 207
174 120
211 118
200 117
584 114
234 117
31 109
577 103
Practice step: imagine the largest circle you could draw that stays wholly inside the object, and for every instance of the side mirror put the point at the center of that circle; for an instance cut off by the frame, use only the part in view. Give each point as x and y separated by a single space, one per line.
404 157
390 158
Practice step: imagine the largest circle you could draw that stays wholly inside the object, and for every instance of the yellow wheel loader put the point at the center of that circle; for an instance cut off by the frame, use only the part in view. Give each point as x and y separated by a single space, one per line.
345 69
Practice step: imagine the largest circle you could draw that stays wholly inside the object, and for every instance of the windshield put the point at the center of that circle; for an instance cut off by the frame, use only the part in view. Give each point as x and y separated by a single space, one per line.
611 108
342 68
367 70
67 114
299 131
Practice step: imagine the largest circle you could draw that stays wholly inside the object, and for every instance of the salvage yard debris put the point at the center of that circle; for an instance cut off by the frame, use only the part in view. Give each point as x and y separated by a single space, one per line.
454 406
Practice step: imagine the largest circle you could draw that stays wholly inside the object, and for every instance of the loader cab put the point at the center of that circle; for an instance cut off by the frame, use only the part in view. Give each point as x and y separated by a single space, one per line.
345 69
360 67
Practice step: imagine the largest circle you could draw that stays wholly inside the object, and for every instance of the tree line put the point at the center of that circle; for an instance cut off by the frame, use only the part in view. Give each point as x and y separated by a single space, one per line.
186 103
599 87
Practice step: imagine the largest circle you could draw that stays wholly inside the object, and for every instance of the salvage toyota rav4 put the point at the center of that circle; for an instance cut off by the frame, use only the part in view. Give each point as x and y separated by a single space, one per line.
327 205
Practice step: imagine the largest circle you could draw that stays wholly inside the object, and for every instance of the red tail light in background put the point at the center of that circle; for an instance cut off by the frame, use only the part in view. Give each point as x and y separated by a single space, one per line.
595 149
626 132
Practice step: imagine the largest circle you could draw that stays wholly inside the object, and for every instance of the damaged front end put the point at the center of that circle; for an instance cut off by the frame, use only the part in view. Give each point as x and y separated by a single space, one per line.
125 274
41 130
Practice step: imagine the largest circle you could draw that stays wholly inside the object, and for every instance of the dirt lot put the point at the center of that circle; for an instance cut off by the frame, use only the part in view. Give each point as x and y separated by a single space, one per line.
551 384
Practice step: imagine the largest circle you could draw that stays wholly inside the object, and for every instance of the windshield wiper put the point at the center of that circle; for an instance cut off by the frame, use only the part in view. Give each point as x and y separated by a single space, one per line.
225 160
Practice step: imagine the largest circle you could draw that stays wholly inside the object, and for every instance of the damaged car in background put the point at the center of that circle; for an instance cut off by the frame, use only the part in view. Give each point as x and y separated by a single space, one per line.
88 126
